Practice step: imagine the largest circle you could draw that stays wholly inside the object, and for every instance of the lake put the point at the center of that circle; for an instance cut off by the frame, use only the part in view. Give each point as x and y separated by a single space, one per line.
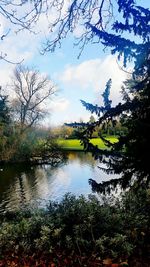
23 184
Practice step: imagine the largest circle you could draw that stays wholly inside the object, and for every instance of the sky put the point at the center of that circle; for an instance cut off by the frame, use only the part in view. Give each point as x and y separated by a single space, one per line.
76 79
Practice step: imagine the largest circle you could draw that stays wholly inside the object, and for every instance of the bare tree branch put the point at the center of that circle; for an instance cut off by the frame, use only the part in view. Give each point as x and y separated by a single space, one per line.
21 14
69 15
95 17
31 89
78 13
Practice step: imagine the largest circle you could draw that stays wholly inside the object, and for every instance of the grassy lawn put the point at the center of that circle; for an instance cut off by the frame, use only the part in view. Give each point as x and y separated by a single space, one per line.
74 144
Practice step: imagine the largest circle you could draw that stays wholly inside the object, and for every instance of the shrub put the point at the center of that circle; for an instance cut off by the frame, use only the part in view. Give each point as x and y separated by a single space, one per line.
80 229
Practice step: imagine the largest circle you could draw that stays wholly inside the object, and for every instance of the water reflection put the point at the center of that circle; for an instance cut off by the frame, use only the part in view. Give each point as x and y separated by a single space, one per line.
23 184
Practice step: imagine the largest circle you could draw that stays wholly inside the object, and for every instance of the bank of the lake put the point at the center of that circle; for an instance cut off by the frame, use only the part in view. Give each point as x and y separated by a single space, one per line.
75 145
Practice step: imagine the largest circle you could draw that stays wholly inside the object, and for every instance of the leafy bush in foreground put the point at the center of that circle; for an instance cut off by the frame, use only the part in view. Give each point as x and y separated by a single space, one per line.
79 230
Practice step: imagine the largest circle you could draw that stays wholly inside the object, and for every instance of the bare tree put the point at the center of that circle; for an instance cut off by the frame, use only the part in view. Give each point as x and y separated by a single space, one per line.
32 90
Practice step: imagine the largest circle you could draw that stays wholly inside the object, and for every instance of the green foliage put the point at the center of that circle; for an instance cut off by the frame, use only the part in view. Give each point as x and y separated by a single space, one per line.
129 156
16 146
18 138
49 151
5 129
25 145
77 226
32 146
4 109
106 94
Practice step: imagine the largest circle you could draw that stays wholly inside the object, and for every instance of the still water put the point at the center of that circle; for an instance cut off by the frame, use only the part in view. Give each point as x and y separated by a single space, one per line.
23 184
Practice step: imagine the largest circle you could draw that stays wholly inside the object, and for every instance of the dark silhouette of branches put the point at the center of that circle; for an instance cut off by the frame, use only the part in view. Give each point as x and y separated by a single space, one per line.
19 15
78 13
96 20
98 23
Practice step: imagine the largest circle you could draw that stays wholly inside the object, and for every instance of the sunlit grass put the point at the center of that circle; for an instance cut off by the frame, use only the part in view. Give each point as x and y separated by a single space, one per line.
74 144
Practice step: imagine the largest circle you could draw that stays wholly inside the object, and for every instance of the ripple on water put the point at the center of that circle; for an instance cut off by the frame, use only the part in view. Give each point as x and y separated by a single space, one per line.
21 185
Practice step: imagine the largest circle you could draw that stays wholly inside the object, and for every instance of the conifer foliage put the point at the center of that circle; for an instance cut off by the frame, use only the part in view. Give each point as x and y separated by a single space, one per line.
129 157
4 110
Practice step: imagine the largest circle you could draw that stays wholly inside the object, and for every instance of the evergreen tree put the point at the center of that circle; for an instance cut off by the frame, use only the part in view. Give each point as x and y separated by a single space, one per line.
129 156
106 94
5 127
4 110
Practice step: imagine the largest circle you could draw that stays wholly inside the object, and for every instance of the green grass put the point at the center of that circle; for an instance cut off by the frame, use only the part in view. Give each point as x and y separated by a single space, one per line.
74 144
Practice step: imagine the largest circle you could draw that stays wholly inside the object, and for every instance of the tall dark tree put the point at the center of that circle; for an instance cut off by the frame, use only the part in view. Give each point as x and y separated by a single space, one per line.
129 156
106 101
4 109
106 95
5 124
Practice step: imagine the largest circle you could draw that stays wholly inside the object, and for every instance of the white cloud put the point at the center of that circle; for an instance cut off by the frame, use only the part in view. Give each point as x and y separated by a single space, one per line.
24 44
56 110
90 75
59 105
93 75
5 73
19 46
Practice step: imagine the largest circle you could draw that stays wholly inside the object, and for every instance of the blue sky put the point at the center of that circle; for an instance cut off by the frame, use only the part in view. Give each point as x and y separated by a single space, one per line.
76 79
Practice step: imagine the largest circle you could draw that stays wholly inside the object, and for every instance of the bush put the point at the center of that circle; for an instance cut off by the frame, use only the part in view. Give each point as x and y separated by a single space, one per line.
79 229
